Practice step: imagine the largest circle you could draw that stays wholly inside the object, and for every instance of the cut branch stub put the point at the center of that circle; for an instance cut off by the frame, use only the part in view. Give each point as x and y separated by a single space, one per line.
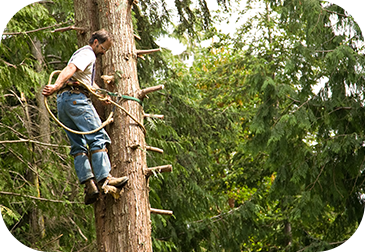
107 79
154 116
141 52
160 211
142 93
141 57
115 192
150 148
163 168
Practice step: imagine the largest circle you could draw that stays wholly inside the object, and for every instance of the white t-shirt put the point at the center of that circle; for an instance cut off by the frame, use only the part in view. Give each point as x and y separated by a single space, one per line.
84 59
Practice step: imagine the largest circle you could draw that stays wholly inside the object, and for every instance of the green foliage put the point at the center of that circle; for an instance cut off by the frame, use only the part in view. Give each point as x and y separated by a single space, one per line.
262 161
283 162
25 153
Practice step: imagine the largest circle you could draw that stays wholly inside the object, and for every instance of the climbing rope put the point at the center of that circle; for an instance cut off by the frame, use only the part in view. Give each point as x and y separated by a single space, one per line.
100 94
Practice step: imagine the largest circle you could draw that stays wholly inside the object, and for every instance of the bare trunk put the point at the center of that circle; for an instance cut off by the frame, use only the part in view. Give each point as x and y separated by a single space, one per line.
122 224
35 215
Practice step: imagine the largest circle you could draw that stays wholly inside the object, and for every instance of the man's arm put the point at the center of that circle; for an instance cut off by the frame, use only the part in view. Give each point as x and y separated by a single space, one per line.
66 74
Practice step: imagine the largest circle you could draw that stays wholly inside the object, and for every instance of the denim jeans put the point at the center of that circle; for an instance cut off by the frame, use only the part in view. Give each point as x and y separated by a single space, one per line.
77 112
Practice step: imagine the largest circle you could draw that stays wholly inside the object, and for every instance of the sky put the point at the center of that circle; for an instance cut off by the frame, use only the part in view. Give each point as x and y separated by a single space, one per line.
178 48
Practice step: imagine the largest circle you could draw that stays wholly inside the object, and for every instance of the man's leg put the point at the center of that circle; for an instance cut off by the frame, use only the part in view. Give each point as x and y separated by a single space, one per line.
101 163
101 167
86 119
79 148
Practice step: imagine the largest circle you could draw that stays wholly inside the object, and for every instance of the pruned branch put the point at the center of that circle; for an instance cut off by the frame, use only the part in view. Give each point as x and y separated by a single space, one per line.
149 148
154 116
142 93
163 168
107 78
142 52
160 211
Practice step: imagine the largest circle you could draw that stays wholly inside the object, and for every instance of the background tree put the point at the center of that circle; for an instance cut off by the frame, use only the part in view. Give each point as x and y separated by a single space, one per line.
262 160
56 19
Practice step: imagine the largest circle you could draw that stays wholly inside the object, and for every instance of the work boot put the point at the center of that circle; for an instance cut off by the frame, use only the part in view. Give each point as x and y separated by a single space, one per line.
116 182
91 192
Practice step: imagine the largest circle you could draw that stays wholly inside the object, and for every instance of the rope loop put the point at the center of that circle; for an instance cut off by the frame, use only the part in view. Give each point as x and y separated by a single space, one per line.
100 94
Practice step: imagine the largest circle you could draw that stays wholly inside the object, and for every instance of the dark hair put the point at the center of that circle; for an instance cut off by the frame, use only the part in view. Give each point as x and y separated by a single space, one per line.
101 35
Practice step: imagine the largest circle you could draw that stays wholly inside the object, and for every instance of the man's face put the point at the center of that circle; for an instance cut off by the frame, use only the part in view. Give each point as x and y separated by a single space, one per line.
101 49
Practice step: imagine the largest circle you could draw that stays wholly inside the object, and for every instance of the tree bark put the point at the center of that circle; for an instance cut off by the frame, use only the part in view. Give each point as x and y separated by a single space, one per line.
122 224
36 219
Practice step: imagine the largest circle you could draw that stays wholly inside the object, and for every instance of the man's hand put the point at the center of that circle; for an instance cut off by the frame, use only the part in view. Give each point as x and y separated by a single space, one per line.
66 74
49 90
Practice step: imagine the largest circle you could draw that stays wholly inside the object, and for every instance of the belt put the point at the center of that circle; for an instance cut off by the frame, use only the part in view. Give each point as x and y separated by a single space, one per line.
74 88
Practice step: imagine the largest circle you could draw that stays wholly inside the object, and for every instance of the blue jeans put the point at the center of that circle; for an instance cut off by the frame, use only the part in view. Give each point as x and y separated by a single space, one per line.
77 112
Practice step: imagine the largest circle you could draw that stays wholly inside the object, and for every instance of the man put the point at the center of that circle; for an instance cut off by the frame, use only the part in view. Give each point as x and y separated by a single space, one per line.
76 111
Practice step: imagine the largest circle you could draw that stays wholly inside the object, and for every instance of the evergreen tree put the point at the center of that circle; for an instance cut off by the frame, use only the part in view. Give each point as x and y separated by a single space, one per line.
262 161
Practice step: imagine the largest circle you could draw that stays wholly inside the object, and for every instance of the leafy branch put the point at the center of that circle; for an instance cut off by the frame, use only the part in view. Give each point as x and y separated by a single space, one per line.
331 243
32 141
39 198
72 27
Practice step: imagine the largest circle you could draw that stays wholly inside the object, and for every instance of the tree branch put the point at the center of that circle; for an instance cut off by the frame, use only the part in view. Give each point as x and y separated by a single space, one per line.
31 141
141 52
142 93
36 30
150 148
163 168
9 64
18 248
160 211
71 27
154 116
331 243
333 12
78 228
38 198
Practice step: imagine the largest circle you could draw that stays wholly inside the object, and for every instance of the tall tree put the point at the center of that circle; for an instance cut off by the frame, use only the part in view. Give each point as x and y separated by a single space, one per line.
123 223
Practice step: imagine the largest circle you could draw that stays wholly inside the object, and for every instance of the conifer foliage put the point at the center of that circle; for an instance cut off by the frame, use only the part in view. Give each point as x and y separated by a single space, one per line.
264 129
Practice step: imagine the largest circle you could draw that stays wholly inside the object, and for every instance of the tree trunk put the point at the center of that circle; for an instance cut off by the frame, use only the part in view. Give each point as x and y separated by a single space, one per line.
122 224
36 219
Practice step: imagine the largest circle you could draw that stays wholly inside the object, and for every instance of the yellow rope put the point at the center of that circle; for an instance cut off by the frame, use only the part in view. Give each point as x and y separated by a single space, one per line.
101 98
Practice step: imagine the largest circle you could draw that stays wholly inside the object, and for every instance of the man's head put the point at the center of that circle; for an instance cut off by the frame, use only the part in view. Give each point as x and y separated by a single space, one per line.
100 42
